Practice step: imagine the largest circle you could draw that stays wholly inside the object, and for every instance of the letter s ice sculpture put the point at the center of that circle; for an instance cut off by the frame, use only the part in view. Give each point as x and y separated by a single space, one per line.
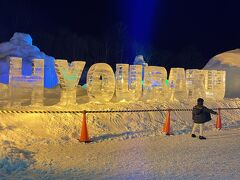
20 85
68 77
100 83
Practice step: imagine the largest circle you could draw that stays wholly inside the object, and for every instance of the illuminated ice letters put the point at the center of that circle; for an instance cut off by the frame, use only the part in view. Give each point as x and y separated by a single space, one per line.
215 84
154 83
177 84
68 77
20 86
100 83
195 83
128 83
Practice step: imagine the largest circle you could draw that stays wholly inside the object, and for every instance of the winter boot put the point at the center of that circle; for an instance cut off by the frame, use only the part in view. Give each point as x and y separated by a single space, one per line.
202 137
193 136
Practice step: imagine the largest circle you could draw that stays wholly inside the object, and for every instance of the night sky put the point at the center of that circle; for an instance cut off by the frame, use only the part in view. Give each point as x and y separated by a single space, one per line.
169 33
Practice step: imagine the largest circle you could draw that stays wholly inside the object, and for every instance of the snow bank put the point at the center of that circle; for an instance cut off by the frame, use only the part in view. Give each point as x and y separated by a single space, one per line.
230 62
57 128
20 45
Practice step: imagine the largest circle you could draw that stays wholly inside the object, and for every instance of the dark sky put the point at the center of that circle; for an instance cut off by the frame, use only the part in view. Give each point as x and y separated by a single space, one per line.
210 26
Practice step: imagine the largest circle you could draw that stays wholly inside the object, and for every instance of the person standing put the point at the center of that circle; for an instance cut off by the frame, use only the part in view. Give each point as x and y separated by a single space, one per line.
200 115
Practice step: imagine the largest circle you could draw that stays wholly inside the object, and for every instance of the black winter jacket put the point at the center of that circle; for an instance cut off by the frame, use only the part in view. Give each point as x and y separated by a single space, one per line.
201 114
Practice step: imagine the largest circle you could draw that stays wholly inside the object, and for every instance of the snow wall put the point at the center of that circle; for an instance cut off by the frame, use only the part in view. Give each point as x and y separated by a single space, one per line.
20 45
230 62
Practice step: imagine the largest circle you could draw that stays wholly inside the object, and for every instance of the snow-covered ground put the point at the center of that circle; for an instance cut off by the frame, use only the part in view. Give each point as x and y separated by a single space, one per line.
125 145
158 157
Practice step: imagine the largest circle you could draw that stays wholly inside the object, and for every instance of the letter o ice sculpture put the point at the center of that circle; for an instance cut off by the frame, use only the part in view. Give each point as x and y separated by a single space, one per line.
177 84
155 83
100 83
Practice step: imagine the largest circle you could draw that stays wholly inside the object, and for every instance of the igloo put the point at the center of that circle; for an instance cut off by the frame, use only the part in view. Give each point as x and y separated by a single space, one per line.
20 45
230 62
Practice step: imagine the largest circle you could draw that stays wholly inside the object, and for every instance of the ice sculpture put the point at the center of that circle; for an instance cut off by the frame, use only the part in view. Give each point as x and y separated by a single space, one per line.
20 86
128 83
155 88
195 83
177 84
100 83
215 84
68 77
3 94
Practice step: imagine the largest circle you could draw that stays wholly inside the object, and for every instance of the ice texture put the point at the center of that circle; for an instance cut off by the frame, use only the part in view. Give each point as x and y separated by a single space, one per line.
128 82
26 84
100 83
155 88
68 77
215 84
177 84
195 83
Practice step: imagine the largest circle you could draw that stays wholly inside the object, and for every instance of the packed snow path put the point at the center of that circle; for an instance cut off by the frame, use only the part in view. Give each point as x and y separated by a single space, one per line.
158 157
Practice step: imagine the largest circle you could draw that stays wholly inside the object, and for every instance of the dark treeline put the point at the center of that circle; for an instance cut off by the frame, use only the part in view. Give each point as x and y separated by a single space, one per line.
113 47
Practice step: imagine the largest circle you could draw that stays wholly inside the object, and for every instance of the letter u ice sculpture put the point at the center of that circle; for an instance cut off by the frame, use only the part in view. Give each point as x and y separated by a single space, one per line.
68 77
20 85
128 83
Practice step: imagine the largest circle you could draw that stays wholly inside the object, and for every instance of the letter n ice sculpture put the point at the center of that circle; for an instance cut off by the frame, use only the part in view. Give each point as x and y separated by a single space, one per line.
20 86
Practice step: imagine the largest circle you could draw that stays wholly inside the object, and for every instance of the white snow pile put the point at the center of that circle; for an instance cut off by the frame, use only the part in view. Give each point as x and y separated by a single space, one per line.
230 62
20 45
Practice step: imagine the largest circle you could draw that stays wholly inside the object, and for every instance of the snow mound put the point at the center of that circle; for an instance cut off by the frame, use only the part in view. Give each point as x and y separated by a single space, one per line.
20 45
230 62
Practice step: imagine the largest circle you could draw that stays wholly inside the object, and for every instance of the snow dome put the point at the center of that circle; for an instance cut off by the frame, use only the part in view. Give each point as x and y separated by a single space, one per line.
230 62
20 45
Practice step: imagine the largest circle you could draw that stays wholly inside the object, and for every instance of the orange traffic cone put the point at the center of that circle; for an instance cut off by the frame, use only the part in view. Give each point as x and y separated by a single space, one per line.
166 126
84 132
219 120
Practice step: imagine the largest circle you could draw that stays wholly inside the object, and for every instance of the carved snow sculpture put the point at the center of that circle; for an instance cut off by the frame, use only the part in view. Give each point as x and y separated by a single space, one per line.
195 83
215 84
128 83
68 77
155 88
230 62
20 45
177 84
20 86
100 83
